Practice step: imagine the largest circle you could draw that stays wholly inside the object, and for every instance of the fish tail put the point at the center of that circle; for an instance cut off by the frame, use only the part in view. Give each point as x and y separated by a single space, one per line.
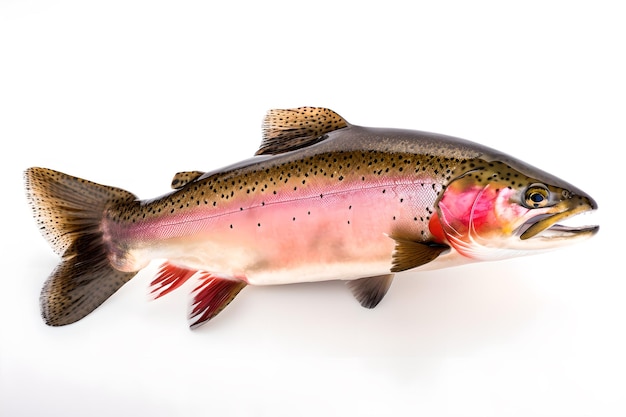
69 212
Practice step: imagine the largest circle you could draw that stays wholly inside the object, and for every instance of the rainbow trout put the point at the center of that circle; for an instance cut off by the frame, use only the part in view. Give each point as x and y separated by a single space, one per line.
322 199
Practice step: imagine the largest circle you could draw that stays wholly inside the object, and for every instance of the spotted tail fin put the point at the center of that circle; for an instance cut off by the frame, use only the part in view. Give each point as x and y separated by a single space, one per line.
68 211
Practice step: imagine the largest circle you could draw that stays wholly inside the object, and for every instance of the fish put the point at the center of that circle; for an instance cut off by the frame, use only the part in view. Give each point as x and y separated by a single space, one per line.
321 199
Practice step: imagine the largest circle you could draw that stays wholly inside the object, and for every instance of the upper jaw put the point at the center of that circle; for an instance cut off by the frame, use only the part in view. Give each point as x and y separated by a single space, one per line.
545 225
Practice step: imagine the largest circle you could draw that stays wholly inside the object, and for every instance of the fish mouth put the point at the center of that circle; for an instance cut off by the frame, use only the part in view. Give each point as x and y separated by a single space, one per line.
545 225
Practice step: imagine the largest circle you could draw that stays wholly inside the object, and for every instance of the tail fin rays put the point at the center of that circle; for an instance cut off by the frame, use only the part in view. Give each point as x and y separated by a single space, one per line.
79 284
69 211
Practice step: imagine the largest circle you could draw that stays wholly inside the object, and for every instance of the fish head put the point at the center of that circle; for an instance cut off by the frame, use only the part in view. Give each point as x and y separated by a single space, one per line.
495 211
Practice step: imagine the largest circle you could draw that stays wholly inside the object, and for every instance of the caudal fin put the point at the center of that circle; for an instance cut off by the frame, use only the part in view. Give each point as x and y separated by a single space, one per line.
68 211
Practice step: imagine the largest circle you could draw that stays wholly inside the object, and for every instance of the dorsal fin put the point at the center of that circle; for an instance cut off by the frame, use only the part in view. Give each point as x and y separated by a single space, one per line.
291 129
183 178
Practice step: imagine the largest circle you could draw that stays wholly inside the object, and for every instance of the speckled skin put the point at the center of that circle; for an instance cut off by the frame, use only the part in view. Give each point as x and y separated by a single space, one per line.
318 213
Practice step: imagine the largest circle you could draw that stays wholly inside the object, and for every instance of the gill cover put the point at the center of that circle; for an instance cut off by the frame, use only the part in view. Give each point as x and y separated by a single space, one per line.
474 214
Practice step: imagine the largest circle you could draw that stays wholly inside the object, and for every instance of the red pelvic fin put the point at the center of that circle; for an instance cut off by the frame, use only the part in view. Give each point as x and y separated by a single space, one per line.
211 296
169 278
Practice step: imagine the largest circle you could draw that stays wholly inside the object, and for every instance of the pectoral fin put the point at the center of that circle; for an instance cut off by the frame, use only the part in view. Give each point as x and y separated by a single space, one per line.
410 254
371 290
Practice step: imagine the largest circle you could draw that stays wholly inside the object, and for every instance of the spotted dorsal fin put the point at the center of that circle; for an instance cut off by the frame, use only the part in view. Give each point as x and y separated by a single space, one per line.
183 178
291 129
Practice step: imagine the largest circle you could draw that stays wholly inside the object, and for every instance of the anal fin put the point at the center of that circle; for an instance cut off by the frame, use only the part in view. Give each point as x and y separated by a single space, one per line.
371 290
211 296
169 278
410 254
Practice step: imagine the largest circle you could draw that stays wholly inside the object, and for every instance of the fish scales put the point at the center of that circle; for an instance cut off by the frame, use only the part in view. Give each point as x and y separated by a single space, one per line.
314 210
326 201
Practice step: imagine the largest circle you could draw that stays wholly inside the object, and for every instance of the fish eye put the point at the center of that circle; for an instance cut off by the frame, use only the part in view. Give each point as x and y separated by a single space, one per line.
536 196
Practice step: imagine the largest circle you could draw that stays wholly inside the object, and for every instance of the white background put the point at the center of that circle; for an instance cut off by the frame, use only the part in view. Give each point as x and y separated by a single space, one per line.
127 93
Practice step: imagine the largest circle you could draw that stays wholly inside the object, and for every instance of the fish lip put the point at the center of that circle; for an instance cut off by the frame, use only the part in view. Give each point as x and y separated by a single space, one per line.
545 225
